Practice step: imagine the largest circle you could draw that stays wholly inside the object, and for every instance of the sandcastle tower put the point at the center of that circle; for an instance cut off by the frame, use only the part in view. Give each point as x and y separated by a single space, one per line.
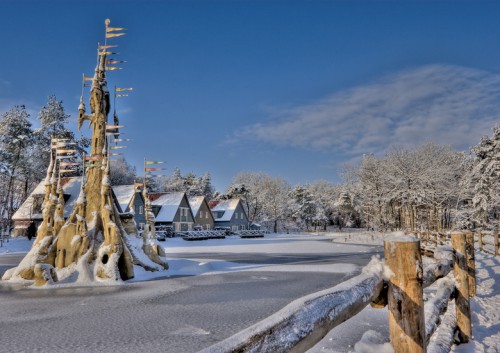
92 243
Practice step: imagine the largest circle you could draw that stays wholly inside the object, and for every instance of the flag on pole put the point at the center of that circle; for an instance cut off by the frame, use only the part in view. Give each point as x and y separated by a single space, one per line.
114 62
112 29
119 89
102 47
122 140
101 53
114 154
93 158
111 127
153 162
117 147
113 35
153 169
85 78
113 68
121 95
62 144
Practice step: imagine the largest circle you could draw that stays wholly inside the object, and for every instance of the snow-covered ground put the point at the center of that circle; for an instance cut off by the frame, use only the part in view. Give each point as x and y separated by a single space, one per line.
485 306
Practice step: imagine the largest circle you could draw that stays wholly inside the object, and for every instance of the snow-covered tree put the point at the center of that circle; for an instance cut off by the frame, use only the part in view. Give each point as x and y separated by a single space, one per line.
53 120
16 138
274 195
122 173
302 206
485 177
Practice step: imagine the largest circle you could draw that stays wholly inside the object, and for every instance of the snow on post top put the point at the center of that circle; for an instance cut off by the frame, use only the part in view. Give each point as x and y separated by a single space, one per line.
400 237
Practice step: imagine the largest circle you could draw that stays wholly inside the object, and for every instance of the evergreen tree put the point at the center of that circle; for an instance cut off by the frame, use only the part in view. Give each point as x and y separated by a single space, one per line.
16 138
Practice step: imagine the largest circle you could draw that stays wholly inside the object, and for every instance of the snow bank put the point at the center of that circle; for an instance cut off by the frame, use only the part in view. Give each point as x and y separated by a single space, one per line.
373 342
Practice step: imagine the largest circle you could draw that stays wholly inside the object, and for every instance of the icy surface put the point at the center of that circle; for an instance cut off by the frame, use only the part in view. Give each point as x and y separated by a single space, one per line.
373 342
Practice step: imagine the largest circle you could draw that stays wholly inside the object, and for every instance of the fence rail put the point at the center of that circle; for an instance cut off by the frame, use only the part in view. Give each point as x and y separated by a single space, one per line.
398 283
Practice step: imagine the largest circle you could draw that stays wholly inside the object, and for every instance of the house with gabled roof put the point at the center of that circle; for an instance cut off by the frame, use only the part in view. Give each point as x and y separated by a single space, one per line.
229 214
172 209
203 217
31 209
130 200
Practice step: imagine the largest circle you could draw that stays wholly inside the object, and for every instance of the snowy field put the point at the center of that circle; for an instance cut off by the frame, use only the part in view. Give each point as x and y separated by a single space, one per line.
373 322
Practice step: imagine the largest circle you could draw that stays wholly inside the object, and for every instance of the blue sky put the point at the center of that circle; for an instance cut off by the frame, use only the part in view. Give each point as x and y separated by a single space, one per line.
291 88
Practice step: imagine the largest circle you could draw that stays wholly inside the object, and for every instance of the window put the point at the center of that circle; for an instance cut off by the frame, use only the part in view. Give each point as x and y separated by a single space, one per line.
201 214
141 209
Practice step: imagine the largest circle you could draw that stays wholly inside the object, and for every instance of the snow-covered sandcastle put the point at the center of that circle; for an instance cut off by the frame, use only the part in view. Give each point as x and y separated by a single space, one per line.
95 243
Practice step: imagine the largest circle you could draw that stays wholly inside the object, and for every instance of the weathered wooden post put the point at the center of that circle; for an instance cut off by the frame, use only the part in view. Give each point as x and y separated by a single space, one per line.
405 294
471 265
462 300
480 239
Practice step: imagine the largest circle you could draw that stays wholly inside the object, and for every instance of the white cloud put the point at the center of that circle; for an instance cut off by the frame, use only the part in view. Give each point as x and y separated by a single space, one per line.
447 104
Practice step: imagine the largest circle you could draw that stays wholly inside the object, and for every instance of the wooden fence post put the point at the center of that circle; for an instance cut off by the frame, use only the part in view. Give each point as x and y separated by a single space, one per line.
471 265
405 294
480 239
462 300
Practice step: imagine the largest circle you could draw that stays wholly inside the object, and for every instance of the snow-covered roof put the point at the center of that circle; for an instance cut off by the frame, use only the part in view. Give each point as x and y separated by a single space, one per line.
169 203
124 195
228 206
71 186
195 202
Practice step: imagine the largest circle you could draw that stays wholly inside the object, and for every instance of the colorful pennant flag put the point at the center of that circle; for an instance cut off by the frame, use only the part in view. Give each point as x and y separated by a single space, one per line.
113 68
153 162
119 89
121 95
114 154
113 35
101 53
153 169
93 158
110 127
114 62
112 29
122 140
88 78
117 147
102 47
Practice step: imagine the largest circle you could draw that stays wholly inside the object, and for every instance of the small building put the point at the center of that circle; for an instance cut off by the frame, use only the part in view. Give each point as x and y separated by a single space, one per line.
131 200
203 218
229 214
30 212
172 209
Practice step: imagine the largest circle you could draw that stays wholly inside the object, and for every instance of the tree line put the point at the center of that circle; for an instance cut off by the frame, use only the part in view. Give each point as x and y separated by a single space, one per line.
430 186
